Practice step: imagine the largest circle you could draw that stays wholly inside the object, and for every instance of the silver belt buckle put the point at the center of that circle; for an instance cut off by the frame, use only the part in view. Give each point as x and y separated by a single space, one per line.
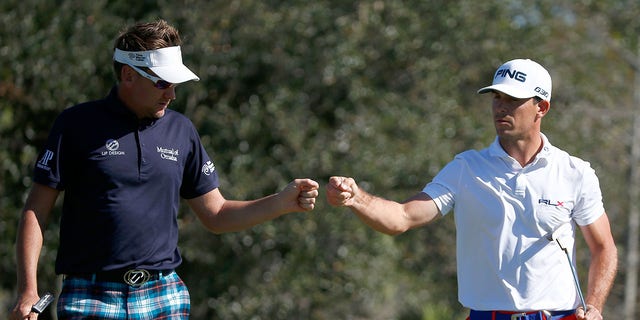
517 316
136 277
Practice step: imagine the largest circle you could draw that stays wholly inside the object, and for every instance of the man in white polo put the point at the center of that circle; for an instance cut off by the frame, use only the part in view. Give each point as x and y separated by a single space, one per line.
508 200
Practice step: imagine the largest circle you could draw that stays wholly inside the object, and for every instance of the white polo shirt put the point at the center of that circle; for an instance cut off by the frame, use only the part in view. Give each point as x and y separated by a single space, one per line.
503 215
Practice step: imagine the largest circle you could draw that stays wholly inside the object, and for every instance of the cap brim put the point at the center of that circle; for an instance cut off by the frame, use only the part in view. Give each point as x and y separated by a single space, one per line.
175 74
515 92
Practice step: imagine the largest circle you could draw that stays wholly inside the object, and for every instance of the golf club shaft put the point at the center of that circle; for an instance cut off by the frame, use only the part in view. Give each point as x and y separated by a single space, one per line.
575 279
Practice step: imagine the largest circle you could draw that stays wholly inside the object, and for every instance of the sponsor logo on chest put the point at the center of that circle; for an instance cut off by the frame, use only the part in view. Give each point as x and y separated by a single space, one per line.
168 153
113 147
553 203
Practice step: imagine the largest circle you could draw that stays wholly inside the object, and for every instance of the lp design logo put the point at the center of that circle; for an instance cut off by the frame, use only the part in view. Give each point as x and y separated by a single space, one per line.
112 146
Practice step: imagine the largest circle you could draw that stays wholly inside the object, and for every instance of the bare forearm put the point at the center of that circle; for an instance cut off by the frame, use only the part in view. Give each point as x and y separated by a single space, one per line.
380 214
220 215
240 215
602 272
29 244
28 247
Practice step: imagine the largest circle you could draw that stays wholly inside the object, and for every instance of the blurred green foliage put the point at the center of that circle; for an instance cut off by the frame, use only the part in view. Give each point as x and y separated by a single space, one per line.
381 91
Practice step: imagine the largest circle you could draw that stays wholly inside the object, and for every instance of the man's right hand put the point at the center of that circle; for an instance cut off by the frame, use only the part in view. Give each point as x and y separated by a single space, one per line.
22 309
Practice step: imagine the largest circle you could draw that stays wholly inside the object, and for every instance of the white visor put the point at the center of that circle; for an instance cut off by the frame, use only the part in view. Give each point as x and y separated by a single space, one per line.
164 62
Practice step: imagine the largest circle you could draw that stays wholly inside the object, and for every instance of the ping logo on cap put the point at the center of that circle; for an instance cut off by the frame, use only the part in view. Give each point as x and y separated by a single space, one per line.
521 78
515 74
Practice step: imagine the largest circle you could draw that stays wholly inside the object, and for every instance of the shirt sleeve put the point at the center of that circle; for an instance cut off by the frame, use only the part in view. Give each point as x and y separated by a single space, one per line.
200 175
48 168
442 188
589 206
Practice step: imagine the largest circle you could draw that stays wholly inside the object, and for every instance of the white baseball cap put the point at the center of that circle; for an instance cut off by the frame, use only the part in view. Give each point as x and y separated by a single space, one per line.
521 78
164 62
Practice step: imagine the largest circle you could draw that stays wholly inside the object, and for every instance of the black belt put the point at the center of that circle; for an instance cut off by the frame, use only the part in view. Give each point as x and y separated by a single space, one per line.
132 277
517 315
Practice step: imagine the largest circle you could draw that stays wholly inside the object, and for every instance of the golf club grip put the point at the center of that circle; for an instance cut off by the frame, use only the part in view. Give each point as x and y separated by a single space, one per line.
43 303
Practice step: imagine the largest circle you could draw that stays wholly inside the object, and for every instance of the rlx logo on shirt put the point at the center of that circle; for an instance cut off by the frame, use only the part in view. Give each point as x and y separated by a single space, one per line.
550 203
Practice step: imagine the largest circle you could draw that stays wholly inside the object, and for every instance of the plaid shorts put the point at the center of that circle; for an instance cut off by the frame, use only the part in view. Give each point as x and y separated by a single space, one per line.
165 298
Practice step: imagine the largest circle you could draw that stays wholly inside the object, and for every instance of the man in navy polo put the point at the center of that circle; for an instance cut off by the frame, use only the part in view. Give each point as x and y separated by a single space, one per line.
124 163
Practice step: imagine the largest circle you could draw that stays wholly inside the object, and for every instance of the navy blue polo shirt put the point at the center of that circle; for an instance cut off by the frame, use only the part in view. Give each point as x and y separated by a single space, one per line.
122 179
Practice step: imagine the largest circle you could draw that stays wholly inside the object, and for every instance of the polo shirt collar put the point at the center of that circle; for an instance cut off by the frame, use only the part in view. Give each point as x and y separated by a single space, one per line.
119 108
495 150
